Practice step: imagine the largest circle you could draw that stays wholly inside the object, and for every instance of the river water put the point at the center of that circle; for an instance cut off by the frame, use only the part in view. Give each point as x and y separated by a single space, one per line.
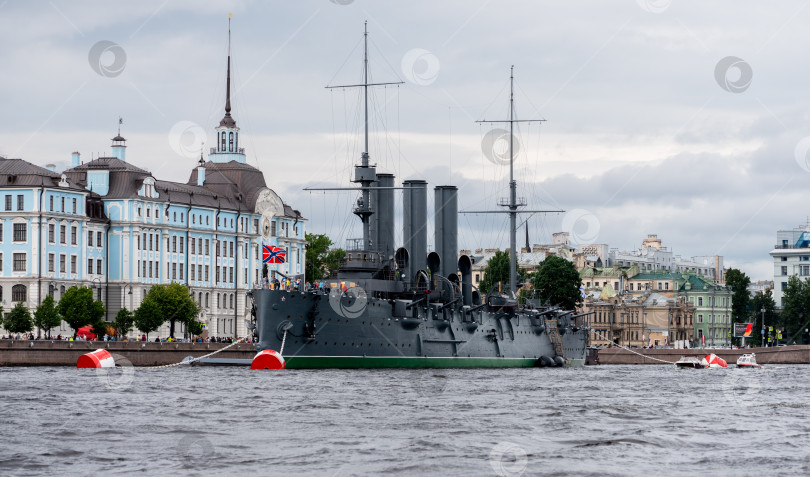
600 420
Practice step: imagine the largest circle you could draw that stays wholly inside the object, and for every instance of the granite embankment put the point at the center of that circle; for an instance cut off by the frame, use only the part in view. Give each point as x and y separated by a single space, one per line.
65 353
797 354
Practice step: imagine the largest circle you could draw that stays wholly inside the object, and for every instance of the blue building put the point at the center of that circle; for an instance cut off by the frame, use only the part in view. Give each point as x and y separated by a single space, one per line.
112 226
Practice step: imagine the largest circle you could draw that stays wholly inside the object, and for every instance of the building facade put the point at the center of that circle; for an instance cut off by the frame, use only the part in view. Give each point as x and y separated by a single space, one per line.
114 227
791 257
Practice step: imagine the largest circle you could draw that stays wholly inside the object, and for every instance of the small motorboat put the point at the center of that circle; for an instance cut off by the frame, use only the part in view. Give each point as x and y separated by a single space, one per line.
690 362
748 360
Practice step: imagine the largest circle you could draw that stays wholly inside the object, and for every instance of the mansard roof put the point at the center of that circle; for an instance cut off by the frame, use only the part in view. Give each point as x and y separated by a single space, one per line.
21 173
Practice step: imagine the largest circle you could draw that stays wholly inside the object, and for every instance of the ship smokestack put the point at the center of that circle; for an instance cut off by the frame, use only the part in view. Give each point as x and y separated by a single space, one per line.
414 225
381 227
446 230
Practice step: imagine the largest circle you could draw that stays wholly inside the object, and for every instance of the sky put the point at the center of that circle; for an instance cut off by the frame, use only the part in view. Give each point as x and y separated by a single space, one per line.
688 120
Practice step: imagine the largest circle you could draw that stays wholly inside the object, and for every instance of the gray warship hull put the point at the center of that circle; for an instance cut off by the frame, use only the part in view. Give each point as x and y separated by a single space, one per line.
341 330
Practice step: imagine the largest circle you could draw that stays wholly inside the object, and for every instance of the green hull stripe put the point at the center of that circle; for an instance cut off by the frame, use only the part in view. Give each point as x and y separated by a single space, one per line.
354 362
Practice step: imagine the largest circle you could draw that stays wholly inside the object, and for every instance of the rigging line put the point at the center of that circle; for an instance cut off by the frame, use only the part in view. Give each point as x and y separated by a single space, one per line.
526 96
384 58
496 97
399 136
346 60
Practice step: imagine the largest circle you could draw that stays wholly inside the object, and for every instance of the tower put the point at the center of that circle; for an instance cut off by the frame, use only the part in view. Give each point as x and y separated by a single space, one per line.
227 143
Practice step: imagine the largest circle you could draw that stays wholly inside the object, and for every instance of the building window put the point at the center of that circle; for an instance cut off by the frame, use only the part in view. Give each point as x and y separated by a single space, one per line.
174 244
231 246
89 265
51 233
98 266
20 232
50 263
784 259
784 271
148 212
157 243
73 267
199 273
231 300
150 241
700 301
73 231
182 241
8 203
207 249
51 204
206 300
222 142
62 263
62 234
63 205
193 245
98 239
20 203
273 228
182 218
18 293
193 269
174 271
89 238
150 269
144 269
217 275
207 220
181 271
193 219
19 262
206 273
784 286
74 206
230 275
666 286
174 216
700 318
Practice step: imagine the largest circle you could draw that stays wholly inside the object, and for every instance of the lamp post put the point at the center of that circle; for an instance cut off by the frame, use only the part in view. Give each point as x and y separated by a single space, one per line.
97 282
763 327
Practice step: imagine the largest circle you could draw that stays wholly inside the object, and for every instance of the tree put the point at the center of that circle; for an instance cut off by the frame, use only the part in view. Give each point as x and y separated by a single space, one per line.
557 282
174 303
124 320
19 319
194 328
497 272
78 308
316 254
758 302
148 316
796 307
738 282
332 260
46 317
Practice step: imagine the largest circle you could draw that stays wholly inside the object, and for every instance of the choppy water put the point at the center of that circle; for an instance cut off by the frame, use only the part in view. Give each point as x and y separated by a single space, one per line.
600 420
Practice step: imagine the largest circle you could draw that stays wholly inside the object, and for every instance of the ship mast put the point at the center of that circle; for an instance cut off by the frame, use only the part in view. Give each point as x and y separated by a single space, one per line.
365 174
512 203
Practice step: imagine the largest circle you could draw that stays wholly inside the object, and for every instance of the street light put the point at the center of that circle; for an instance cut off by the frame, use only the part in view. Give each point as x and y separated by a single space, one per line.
763 327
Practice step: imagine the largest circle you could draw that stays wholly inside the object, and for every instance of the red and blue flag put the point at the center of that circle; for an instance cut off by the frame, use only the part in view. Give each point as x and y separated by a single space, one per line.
271 254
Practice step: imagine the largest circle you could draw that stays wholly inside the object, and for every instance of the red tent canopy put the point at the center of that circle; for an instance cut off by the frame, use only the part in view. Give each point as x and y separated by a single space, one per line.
85 331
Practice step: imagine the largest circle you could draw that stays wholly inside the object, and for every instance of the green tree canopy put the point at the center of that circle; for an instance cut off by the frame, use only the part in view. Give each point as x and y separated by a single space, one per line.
174 303
738 282
758 302
317 252
332 260
194 328
19 319
497 271
557 282
796 309
124 320
148 316
46 317
78 308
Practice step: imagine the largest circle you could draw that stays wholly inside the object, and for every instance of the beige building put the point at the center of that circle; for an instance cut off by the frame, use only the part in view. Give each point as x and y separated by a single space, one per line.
650 320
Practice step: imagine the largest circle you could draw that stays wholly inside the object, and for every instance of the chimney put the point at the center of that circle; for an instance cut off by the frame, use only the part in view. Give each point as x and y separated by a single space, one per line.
74 162
414 221
446 228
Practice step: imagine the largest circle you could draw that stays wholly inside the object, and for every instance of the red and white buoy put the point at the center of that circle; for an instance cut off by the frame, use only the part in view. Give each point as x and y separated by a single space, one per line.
268 359
99 358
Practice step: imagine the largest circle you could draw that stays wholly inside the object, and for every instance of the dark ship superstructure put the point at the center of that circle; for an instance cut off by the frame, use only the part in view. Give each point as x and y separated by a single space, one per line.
408 307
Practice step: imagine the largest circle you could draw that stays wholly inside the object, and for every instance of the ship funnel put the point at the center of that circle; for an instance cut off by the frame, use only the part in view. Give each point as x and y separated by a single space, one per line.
414 231
465 267
381 226
446 230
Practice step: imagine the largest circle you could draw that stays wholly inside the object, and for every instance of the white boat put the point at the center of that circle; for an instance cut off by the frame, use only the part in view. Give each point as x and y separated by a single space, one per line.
690 362
748 360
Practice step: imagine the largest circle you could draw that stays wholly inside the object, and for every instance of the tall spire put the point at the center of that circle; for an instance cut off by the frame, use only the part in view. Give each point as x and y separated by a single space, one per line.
228 121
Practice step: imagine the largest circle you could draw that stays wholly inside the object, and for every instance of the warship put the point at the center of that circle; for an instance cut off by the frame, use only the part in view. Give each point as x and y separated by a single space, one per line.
405 307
